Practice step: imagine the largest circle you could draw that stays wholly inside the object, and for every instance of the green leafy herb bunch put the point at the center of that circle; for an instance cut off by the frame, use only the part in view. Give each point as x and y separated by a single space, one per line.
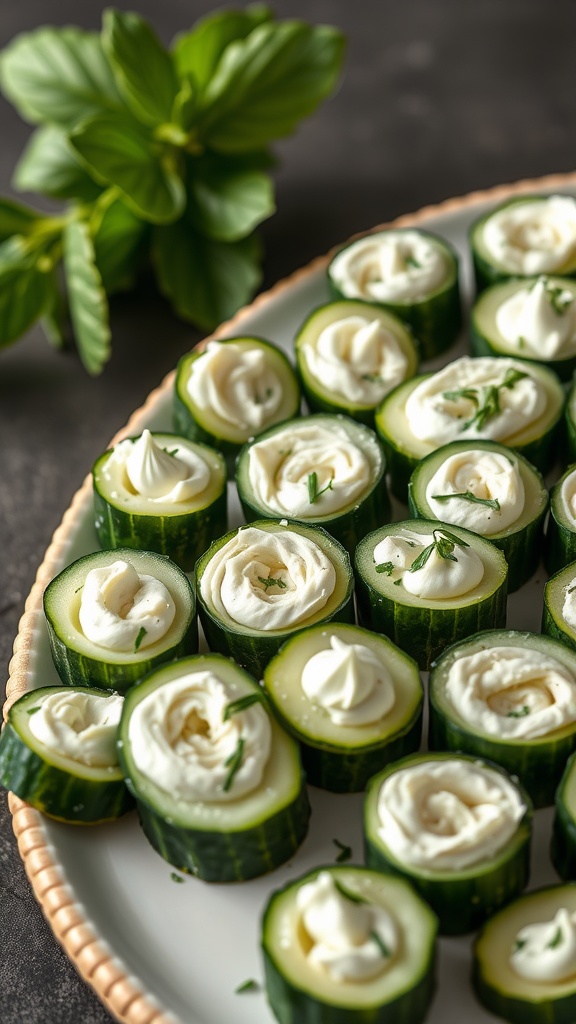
155 152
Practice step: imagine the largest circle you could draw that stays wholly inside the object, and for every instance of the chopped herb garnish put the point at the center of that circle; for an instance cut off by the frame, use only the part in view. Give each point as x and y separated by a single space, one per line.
398 582
558 297
141 634
234 763
489 405
571 589
241 704
78 589
520 713
352 896
172 451
284 451
386 567
519 944
555 940
443 544
411 543
374 378
521 342
175 877
313 492
411 261
454 396
345 851
381 944
469 496
32 711
247 986
269 581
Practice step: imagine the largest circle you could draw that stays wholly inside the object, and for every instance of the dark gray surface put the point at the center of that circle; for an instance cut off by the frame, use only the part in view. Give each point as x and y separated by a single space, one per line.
439 97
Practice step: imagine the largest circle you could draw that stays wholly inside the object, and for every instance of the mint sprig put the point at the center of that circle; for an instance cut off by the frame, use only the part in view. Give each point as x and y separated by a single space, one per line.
469 496
443 543
486 399
154 151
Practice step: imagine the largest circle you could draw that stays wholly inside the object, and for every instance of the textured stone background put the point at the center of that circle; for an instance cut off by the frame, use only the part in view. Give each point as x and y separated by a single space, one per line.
439 97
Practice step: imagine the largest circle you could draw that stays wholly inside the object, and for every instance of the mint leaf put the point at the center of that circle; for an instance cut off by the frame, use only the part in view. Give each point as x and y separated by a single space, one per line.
185 105
197 53
143 69
50 166
54 319
247 986
226 199
206 281
24 290
88 305
119 151
265 83
118 245
16 219
386 567
58 75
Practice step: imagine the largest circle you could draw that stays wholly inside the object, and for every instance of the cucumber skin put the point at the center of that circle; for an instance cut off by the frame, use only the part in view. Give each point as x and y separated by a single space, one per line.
228 856
54 791
481 346
521 1011
316 403
424 632
551 628
77 669
539 775
559 544
563 843
292 1005
183 538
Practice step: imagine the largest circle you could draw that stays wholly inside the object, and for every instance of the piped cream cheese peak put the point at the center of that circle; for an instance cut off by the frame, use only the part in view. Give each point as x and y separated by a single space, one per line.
439 578
545 951
349 682
160 475
540 320
121 610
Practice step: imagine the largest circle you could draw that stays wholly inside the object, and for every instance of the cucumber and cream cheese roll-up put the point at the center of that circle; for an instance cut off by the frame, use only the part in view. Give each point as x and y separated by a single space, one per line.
509 696
412 273
458 828
58 752
160 492
326 470
515 403
525 236
259 584
233 389
218 785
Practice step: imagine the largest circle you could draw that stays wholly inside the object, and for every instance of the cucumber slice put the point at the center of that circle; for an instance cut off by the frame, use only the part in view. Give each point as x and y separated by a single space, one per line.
341 758
300 993
303 466
560 541
59 785
424 627
499 987
570 425
368 375
182 530
404 450
486 336
488 269
428 300
237 403
563 845
538 761
521 540
79 661
462 897
252 648
556 592
217 840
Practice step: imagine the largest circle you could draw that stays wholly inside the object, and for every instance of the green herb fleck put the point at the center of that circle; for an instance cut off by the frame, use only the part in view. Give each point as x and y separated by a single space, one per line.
313 492
176 878
519 944
454 396
172 451
345 851
141 634
386 952
397 583
411 543
78 589
285 451
555 940
352 896
374 378
241 704
411 261
489 406
32 711
247 986
234 763
521 342
269 581
469 496
558 297
443 543
386 567
520 713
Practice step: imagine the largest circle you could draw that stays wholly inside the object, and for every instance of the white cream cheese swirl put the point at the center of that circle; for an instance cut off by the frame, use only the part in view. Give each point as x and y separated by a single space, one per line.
237 383
280 466
568 497
81 726
121 610
569 606
339 931
160 475
539 321
349 682
268 580
489 476
512 692
389 266
439 578
357 359
535 237
546 950
180 741
447 815
437 415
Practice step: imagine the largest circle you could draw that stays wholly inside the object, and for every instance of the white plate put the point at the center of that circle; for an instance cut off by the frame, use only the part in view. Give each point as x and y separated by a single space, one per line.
156 951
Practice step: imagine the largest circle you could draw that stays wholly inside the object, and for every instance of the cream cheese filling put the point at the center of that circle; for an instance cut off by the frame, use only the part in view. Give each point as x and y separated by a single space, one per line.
489 477
441 576
237 383
357 359
158 475
81 726
349 682
122 610
535 237
390 266
540 321
546 950
568 497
